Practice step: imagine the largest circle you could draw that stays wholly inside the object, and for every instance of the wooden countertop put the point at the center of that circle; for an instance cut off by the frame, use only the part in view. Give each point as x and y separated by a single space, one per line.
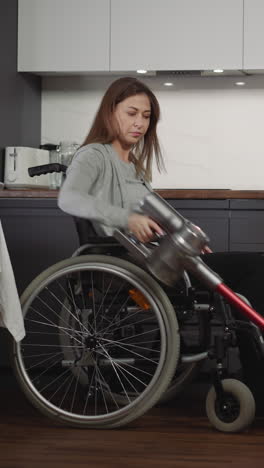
204 194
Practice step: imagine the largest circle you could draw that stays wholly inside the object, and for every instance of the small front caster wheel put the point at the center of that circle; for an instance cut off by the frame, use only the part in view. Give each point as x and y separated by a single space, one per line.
236 411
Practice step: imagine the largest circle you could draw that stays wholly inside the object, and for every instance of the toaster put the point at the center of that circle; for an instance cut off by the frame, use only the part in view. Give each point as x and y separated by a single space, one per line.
17 161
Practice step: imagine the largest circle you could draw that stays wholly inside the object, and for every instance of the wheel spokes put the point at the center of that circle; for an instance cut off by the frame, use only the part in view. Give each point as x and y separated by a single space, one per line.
89 349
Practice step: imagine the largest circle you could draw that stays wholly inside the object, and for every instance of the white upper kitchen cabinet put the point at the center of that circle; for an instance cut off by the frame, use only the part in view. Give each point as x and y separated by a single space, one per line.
253 34
176 34
63 35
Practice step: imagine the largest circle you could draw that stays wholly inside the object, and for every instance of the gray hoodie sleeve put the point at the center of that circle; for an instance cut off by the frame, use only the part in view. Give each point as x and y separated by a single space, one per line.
75 194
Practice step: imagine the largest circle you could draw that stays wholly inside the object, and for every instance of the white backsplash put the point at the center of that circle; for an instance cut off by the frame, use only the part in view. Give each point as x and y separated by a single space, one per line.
211 131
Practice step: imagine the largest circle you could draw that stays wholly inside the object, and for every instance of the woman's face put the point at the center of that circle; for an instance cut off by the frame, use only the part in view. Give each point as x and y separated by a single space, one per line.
132 116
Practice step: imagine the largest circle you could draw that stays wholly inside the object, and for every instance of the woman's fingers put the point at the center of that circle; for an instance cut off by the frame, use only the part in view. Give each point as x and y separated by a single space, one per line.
143 227
155 227
148 229
206 250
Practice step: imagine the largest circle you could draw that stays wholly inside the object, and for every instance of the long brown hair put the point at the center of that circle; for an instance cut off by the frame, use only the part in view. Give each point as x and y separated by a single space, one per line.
104 131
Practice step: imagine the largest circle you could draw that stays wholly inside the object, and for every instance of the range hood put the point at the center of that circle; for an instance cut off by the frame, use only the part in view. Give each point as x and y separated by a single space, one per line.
179 73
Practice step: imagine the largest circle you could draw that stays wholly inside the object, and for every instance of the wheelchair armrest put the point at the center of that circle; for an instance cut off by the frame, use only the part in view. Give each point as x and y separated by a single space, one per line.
96 240
100 246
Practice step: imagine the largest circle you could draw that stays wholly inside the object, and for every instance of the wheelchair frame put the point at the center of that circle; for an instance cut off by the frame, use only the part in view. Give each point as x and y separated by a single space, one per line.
230 405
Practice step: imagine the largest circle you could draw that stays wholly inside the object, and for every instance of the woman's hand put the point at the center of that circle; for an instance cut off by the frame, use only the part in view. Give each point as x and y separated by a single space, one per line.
206 250
143 227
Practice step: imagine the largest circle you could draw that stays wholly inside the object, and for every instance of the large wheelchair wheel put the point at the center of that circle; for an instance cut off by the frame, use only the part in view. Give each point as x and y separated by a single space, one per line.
101 343
194 325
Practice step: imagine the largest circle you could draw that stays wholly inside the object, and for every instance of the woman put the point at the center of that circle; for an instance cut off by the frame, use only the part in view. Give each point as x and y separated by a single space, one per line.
112 170
111 173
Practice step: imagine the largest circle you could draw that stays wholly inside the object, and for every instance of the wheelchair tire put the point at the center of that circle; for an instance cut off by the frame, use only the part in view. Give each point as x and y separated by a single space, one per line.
109 344
237 409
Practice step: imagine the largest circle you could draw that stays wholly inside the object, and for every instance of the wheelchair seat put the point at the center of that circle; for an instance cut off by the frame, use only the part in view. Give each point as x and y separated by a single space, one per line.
91 243
86 232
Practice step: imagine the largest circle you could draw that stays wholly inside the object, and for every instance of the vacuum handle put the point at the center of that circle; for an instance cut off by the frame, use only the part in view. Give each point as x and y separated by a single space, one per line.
136 248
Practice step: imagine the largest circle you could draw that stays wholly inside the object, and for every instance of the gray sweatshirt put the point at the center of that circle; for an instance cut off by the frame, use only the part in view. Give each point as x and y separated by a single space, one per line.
98 188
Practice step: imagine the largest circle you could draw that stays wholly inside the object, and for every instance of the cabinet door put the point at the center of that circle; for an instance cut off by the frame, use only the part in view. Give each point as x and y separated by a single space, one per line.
253 34
176 34
38 234
63 35
212 216
247 231
247 225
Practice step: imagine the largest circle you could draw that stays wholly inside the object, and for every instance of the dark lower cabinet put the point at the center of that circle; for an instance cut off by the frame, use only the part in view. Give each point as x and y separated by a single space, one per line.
212 216
247 225
38 234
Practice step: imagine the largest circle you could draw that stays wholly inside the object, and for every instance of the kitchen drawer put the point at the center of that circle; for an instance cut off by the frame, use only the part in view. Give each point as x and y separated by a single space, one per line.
247 230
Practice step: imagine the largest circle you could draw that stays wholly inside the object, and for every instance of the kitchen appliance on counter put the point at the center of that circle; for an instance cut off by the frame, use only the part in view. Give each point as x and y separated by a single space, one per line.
55 178
17 161
62 154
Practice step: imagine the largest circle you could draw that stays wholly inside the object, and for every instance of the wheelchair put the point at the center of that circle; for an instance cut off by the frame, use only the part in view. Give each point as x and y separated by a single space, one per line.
118 328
